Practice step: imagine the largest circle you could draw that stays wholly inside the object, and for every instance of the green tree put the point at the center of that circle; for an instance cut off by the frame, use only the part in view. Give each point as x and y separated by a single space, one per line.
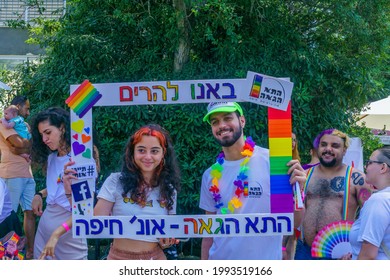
335 52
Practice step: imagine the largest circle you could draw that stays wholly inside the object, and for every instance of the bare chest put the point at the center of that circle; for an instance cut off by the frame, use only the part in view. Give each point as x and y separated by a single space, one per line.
326 187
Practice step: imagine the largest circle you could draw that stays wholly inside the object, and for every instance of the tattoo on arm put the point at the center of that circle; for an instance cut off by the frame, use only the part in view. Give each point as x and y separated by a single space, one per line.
357 179
363 195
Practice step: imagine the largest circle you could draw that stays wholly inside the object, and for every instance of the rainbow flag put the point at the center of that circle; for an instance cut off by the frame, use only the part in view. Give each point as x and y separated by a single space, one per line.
83 98
280 151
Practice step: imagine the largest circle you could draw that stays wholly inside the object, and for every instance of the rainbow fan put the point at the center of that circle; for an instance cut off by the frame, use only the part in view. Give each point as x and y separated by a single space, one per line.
332 241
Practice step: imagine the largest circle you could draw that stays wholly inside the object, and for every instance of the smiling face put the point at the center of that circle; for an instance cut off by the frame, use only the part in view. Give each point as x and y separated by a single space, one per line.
148 154
51 135
227 128
331 150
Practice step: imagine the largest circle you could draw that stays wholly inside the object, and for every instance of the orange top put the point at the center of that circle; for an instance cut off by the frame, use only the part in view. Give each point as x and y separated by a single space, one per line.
11 165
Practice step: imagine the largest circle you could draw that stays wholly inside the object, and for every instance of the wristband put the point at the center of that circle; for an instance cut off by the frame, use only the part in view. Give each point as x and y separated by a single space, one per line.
40 194
66 227
283 248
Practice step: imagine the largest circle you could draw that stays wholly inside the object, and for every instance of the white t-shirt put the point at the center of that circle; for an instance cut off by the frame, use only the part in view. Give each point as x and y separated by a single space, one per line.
5 202
373 224
258 201
112 190
54 184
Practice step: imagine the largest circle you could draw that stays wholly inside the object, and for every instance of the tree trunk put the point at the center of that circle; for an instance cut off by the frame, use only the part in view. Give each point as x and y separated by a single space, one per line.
183 49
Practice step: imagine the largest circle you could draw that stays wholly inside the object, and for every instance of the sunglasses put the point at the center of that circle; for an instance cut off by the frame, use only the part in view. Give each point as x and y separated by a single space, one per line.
368 162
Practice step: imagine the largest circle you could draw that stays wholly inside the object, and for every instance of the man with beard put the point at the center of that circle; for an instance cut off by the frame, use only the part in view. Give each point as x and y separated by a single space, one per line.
333 191
241 163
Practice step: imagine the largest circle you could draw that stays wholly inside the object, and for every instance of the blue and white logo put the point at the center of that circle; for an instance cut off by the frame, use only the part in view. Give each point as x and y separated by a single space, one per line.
81 191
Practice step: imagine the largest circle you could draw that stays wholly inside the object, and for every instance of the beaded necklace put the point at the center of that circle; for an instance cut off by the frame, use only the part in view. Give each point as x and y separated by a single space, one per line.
240 183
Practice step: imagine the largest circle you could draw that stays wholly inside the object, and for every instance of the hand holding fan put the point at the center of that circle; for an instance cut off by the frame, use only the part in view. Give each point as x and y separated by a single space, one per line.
332 241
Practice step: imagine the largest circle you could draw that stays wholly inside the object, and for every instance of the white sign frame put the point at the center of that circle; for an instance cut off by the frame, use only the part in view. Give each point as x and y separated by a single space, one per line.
256 88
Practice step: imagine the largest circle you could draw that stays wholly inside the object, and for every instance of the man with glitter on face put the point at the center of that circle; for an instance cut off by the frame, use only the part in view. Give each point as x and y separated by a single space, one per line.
332 190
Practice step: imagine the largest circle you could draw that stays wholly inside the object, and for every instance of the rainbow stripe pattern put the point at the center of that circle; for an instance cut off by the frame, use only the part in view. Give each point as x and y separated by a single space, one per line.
83 98
346 191
332 241
256 86
279 134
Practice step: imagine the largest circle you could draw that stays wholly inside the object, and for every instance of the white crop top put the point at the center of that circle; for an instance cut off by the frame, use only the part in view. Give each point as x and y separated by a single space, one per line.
112 190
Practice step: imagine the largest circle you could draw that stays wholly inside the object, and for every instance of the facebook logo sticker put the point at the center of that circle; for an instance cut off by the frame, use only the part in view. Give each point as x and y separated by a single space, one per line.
81 191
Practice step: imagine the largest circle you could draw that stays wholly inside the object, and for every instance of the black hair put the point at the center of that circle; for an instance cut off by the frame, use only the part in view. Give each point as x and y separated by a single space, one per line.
55 116
19 100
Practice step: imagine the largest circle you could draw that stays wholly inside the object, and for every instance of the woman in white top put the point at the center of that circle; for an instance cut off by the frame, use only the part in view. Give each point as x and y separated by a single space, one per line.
370 233
51 148
147 185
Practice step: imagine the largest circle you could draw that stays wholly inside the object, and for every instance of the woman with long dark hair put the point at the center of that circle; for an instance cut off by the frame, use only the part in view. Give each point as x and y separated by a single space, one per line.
147 185
51 149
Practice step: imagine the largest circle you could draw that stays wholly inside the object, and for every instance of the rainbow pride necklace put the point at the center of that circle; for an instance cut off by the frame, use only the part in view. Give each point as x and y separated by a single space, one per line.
240 183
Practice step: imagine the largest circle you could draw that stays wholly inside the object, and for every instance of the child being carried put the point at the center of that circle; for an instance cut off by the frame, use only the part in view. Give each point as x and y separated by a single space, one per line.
12 119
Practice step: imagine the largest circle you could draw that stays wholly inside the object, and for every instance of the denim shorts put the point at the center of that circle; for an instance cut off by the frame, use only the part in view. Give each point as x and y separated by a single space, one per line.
303 252
22 191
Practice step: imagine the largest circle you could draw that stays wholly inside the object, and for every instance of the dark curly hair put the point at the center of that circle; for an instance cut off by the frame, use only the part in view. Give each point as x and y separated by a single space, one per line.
166 175
57 117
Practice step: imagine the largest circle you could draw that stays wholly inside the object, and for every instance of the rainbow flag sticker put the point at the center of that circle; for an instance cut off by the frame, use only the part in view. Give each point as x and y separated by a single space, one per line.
83 98
280 150
256 86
